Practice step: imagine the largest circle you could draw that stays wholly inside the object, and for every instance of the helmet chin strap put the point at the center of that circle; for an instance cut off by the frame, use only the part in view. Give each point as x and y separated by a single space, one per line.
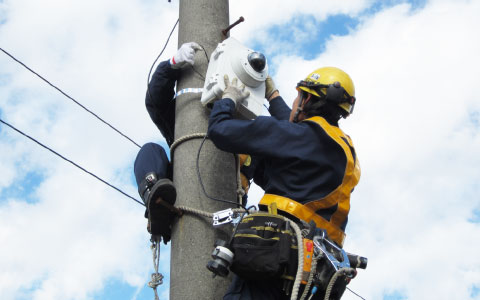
295 117
304 100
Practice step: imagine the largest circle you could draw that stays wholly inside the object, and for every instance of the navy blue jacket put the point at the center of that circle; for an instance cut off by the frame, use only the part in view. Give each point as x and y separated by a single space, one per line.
297 160
159 99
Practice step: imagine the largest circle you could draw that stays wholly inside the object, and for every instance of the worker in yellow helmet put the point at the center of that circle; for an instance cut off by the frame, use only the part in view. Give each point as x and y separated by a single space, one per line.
304 162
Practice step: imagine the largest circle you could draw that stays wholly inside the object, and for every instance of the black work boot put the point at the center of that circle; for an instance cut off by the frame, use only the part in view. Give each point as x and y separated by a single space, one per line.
159 196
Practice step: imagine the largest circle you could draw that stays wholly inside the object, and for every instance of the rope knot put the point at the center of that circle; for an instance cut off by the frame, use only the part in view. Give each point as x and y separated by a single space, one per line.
241 192
157 279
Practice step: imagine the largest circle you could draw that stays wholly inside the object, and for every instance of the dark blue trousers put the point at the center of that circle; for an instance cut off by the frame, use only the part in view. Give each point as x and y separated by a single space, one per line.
152 158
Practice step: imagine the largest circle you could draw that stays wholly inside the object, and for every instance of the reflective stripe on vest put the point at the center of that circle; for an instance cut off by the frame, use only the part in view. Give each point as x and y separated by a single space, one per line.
340 196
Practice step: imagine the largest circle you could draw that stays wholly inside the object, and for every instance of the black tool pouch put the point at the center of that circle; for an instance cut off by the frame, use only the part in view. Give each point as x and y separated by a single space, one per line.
261 245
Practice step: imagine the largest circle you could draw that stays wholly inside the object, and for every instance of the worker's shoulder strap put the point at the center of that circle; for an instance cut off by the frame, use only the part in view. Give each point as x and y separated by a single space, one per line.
304 213
340 197
333 131
352 169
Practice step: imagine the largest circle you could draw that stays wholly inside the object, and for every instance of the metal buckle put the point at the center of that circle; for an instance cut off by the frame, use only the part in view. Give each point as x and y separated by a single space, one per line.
321 244
222 217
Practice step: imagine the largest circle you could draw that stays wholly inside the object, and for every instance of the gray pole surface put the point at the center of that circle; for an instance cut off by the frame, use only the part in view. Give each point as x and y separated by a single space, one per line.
193 237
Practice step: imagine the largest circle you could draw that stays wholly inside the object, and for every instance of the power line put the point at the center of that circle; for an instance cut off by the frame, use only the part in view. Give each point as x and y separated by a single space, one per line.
68 160
69 97
355 293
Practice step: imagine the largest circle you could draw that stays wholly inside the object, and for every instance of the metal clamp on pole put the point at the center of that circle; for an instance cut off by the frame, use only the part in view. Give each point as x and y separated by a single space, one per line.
222 217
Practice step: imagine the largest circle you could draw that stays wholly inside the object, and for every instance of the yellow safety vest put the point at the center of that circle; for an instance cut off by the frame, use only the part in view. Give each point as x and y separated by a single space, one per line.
340 196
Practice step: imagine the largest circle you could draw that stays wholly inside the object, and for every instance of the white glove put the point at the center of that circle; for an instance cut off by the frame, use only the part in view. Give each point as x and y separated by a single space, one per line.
233 91
185 55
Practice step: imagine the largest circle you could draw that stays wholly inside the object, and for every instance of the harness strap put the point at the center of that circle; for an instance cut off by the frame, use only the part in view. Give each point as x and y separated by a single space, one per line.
306 214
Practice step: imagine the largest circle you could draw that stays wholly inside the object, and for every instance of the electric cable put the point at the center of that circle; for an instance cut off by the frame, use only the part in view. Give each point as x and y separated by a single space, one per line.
355 293
156 59
208 61
206 54
201 76
161 52
69 97
73 163
201 182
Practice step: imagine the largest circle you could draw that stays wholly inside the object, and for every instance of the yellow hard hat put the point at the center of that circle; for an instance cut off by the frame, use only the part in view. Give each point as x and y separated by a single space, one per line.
331 84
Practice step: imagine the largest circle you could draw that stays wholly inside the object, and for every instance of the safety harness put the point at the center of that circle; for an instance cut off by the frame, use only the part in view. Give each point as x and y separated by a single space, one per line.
340 197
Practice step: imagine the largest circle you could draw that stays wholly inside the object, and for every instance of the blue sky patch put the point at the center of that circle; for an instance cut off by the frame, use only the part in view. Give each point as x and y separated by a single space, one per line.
475 218
338 25
381 5
113 24
305 36
27 292
474 118
395 295
5 79
117 289
3 14
474 291
23 188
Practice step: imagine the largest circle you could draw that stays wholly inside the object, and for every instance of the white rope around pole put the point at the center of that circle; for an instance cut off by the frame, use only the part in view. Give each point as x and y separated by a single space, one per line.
185 138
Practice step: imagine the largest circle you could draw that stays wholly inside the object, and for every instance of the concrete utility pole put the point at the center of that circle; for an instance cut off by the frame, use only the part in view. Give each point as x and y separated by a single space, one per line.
193 237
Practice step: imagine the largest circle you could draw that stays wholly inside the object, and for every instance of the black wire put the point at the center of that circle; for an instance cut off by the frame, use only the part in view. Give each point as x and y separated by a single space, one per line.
161 52
201 182
69 97
208 60
155 61
355 293
206 54
66 159
201 76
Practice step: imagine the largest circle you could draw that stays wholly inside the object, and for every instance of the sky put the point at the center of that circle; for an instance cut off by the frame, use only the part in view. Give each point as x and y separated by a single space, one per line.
415 213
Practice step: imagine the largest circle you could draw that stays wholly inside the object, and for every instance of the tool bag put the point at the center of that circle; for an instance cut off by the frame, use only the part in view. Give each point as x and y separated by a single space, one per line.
262 246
